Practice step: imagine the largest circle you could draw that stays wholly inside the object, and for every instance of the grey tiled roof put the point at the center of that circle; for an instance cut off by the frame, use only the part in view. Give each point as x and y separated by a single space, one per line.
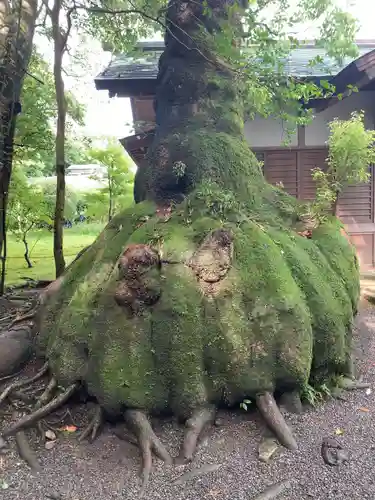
126 67
298 61
145 66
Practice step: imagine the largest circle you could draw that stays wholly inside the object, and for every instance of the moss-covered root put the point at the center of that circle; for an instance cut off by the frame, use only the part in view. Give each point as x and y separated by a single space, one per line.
349 384
93 428
148 442
195 425
270 412
292 402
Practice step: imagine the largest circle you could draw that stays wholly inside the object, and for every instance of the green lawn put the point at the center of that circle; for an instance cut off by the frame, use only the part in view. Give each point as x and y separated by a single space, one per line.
41 252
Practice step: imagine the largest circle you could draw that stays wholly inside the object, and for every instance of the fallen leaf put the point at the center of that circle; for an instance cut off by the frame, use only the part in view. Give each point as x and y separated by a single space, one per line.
339 432
68 428
362 408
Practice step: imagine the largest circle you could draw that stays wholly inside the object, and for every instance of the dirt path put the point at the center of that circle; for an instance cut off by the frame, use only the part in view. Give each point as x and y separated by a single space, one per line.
107 469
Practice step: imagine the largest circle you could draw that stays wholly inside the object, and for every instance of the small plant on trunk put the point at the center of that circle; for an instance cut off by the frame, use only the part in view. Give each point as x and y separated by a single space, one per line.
351 153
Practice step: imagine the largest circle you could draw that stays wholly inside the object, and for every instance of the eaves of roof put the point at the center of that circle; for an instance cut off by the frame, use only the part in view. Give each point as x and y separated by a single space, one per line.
124 71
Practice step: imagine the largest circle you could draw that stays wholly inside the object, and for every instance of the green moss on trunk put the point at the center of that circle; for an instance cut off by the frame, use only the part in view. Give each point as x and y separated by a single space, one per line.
281 315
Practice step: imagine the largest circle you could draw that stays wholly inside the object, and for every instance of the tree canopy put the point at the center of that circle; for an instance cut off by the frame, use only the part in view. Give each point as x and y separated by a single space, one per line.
117 192
270 33
271 30
34 140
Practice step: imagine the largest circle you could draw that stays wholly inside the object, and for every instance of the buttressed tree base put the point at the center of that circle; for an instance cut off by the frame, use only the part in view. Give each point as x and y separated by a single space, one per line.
205 293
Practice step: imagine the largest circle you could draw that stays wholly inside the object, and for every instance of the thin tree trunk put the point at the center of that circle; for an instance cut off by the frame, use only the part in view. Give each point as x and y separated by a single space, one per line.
26 254
335 204
110 193
59 48
17 27
4 252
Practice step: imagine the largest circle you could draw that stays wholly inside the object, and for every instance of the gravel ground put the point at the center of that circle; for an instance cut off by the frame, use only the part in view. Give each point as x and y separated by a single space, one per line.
107 469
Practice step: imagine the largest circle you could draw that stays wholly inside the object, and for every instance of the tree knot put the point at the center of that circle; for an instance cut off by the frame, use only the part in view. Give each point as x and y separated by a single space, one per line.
212 260
139 278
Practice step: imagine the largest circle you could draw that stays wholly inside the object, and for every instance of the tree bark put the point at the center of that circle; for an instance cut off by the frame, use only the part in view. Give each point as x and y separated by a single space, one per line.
59 48
110 194
17 27
26 254
335 204
198 103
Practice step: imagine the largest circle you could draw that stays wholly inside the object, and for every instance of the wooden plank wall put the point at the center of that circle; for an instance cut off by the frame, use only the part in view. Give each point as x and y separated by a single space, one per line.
143 113
292 168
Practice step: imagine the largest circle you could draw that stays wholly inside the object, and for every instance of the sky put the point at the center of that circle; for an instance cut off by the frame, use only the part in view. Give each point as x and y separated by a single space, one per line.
113 117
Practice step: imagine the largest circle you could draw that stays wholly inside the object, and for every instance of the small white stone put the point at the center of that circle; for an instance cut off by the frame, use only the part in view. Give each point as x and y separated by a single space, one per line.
50 435
50 444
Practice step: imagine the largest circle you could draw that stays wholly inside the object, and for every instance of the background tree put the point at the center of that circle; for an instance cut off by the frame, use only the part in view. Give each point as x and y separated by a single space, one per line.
60 23
17 21
72 197
26 209
118 179
35 136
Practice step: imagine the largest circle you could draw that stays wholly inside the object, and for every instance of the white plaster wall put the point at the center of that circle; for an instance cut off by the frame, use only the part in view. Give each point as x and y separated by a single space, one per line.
271 132
317 132
267 132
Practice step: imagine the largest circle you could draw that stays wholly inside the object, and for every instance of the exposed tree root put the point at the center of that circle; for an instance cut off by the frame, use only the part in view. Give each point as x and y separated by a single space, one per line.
47 394
42 434
268 408
194 427
29 316
338 393
197 472
273 491
31 419
50 423
8 377
120 432
148 442
25 451
25 398
22 383
352 385
94 425
292 402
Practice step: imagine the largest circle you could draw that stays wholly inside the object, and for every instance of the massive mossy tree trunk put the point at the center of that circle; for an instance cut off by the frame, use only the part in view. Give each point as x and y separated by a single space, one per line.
205 293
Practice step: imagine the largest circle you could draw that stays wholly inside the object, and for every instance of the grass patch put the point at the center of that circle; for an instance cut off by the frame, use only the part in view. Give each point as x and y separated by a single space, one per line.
41 252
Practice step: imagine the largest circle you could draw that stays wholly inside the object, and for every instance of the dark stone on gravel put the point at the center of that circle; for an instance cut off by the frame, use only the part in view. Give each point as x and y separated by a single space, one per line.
333 453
